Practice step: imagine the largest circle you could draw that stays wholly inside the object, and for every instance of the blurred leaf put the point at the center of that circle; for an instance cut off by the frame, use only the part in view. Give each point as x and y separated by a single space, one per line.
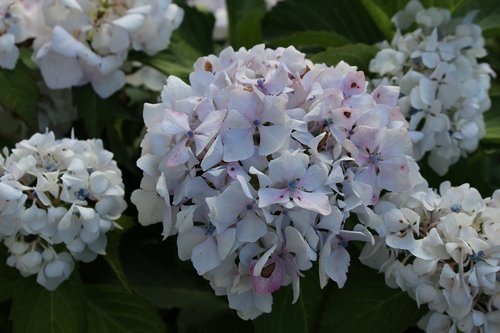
345 17
35 309
95 111
155 272
177 60
245 22
365 304
322 39
18 93
113 258
354 54
196 29
8 277
111 309
381 18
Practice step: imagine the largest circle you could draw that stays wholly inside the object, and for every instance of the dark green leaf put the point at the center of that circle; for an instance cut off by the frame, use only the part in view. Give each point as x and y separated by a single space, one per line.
345 17
354 54
196 29
18 93
245 22
8 277
112 309
380 17
34 309
177 60
321 39
155 272
95 111
365 304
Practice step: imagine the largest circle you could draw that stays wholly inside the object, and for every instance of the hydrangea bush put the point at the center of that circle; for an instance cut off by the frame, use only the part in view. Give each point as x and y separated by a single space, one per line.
265 155
53 192
237 155
443 249
444 87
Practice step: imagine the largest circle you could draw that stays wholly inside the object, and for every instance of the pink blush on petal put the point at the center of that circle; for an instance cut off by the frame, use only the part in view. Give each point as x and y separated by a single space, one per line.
270 279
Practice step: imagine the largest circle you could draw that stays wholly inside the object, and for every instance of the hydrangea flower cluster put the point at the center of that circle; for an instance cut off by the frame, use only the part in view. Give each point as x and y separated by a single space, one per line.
258 162
80 41
443 249
58 199
444 90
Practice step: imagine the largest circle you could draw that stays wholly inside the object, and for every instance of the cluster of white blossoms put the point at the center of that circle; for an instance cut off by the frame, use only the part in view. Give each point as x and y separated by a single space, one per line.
443 249
444 90
80 41
14 29
258 162
58 199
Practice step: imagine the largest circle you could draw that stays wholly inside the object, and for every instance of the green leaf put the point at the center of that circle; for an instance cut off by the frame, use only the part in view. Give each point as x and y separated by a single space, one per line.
365 304
95 111
245 22
381 18
345 17
177 60
354 54
34 309
302 39
18 93
196 29
8 277
155 272
111 309
113 249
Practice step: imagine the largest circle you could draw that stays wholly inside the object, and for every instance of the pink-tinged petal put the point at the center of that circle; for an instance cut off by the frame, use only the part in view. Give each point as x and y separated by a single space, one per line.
394 174
315 177
354 83
368 176
387 95
269 280
367 139
270 196
273 109
238 144
289 166
130 22
205 256
59 71
395 143
175 123
225 242
245 103
272 138
208 129
213 155
250 228
403 242
314 201
259 265
428 90
180 154
107 85
336 265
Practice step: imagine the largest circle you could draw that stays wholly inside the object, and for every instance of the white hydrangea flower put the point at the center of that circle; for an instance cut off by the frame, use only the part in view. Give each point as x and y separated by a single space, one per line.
444 89
57 193
256 164
15 24
442 248
80 41
219 10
